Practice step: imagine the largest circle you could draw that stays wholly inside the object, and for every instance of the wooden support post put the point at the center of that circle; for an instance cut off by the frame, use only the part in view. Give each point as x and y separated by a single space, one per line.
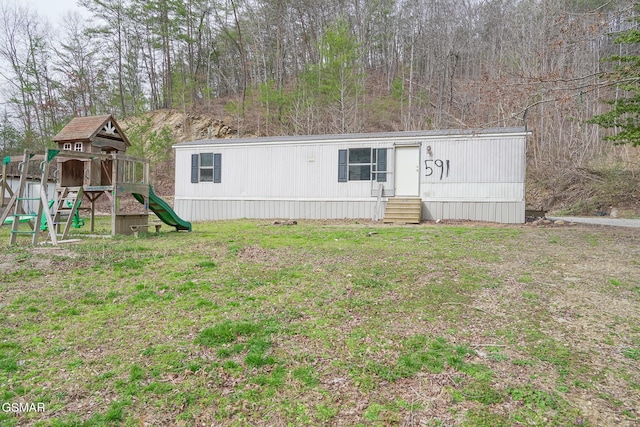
44 207
5 214
93 215
3 184
44 203
114 195
18 209
92 198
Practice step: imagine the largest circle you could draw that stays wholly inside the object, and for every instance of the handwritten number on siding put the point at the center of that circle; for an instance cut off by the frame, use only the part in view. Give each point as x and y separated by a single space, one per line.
439 166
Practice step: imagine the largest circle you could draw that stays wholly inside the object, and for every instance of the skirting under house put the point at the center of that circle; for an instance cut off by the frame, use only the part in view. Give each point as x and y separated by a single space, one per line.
396 177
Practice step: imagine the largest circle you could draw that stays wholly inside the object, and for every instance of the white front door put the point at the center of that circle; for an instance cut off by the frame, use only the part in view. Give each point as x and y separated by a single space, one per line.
407 171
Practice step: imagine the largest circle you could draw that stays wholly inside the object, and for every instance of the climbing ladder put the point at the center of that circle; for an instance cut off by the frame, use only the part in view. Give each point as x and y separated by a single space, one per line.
15 208
66 206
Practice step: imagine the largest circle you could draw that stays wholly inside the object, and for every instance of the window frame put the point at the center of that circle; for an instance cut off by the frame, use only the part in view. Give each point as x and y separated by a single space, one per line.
212 168
359 164
348 164
206 167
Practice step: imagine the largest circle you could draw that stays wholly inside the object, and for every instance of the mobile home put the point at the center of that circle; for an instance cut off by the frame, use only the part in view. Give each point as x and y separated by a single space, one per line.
454 174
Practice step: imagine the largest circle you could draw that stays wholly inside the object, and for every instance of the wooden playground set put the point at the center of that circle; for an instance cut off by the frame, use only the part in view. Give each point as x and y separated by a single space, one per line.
90 161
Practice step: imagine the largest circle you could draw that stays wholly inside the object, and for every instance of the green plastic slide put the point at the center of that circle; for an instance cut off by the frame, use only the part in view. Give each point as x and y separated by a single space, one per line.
164 211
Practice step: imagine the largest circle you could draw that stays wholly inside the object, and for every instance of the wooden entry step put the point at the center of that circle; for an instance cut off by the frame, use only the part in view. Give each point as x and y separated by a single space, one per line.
407 210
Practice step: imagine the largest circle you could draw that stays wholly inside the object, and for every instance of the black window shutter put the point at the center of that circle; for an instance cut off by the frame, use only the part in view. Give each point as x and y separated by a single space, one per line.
381 165
342 165
217 167
195 171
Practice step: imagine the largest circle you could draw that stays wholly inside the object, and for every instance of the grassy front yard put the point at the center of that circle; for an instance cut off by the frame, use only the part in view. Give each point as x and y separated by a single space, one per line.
324 323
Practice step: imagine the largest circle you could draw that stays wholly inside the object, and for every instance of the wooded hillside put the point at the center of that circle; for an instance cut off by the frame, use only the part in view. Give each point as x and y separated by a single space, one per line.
277 67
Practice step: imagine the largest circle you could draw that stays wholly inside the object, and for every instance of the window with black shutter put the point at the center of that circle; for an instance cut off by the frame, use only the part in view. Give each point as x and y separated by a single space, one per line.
217 168
195 168
342 165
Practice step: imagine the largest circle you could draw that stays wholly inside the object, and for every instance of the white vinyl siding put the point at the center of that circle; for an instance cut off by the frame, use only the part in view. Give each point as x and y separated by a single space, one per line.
294 171
483 168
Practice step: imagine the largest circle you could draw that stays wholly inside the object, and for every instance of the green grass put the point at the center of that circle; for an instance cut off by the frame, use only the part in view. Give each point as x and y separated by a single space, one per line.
244 323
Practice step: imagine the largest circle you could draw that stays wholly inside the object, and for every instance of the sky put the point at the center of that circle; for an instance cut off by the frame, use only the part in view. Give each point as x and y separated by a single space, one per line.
52 9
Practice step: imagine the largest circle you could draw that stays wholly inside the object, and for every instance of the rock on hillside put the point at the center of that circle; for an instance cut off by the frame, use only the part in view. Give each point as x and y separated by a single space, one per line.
186 127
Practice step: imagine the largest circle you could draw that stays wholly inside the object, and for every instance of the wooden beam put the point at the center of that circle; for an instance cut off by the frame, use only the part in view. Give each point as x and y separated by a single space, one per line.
114 197
65 155
3 184
5 214
19 195
44 210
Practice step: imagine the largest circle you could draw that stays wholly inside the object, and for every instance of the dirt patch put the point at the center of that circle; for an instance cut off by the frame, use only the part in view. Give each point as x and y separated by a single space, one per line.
37 258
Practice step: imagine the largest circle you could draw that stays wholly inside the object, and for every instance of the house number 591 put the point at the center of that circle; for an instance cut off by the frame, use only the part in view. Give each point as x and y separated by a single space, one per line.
437 166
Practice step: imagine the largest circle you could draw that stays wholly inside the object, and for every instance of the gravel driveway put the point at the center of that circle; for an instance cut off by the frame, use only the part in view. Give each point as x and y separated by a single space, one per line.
618 222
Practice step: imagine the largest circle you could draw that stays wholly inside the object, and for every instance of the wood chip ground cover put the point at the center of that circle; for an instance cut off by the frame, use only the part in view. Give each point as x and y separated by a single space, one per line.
325 323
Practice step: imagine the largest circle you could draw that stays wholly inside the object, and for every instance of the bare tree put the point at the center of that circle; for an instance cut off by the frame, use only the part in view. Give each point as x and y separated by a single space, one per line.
25 50
77 63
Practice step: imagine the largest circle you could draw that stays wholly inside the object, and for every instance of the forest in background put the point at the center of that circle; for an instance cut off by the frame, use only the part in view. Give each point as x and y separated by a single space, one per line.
291 67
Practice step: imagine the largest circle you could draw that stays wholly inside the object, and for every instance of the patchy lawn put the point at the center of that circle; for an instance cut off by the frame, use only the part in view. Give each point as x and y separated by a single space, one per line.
324 323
